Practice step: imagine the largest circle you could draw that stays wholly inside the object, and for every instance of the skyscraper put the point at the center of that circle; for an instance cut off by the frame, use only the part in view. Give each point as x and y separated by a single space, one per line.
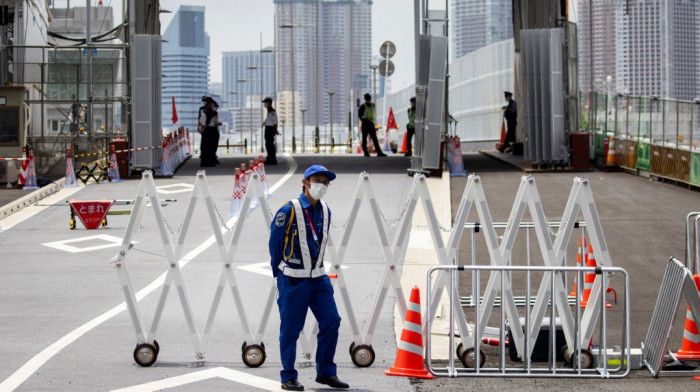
477 23
298 19
655 50
185 65
235 66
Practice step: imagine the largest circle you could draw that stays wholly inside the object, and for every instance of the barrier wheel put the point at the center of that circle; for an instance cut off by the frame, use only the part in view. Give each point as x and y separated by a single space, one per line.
145 354
469 359
460 348
363 355
253 355
244 345
566 355
352 347
157 346
72 224
586 359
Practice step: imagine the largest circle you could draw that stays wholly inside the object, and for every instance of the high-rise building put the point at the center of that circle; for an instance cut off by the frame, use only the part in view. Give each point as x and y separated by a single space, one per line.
236 66
655 50
185 65
297 20
477 23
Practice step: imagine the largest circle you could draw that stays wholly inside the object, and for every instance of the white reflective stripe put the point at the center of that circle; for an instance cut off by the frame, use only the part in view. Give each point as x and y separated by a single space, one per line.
301 230
413 327
326 223
300 273
414 307
693 337
294 261
411 348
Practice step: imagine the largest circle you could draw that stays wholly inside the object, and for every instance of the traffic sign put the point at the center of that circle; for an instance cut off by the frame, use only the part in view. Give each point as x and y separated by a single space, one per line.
91 212
387 49
386 68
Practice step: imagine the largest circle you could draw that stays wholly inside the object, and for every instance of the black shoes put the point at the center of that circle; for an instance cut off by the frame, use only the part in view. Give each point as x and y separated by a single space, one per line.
381 154
293 385
331 381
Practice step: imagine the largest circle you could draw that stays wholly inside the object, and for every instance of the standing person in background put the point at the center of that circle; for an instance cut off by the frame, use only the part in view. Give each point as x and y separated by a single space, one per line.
217 135
207 128
511 115
411 127
366 113
298 237
270 125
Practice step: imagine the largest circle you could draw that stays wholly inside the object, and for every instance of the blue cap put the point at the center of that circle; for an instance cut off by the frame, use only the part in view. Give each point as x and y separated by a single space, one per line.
319 169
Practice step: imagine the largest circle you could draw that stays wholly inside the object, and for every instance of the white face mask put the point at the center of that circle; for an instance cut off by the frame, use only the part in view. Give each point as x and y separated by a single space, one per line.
317 190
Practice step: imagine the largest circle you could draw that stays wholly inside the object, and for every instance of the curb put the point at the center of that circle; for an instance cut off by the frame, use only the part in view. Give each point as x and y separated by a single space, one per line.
26 201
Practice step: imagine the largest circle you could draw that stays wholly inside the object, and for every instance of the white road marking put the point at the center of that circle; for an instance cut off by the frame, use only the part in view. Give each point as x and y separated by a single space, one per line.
220 372
178 188
28 369
108 241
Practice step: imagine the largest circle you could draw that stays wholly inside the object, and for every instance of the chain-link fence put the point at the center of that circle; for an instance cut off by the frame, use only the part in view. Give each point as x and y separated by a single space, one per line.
658 135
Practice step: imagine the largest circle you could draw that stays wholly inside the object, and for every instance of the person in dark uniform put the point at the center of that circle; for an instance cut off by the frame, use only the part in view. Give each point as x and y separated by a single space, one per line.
511 115
298 237
270 125
217 135
366 113
207 128
411 127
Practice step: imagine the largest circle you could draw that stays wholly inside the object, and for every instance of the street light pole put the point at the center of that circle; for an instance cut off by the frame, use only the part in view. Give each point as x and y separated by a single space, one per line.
330 94
303 129
244 103
294 87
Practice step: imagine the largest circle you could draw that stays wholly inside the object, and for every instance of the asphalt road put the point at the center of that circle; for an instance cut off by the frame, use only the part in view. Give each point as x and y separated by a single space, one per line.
63 324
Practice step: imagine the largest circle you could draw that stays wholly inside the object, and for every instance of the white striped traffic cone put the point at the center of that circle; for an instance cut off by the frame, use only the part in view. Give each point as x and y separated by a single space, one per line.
22 178
31 174
263 176
70 182
237 197
113 172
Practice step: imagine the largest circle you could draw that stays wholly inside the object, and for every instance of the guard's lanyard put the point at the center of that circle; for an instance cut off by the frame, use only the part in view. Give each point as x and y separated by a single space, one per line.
311 224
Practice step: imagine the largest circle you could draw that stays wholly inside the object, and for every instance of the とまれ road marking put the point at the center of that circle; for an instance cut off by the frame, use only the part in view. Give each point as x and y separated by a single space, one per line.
108 242
220 372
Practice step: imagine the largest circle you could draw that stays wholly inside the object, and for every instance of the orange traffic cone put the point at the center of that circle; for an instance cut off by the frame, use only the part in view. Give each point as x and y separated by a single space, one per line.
581 254
590 278
404 149
409 357
690 348
70 181
611 157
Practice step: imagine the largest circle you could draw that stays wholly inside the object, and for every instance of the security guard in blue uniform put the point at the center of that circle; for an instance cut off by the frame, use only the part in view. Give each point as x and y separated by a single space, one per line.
298 237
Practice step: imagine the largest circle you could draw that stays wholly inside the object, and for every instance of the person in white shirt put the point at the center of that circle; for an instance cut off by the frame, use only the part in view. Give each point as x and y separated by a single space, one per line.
270 125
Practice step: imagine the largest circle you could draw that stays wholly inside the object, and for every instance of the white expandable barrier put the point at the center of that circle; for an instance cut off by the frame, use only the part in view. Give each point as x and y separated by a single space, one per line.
393 250
147 348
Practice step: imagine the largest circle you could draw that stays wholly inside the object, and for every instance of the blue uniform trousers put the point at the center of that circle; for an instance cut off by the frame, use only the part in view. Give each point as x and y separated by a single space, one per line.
295 296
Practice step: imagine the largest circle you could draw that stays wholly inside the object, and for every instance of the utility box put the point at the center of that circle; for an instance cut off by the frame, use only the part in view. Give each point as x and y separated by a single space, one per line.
11 121
541 350
580 151
122 161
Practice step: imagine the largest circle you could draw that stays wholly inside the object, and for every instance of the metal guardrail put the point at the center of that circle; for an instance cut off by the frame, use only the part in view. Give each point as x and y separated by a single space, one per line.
475 227
580 359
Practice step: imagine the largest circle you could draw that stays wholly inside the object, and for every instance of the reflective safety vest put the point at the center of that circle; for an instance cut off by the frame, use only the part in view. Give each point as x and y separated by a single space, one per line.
411 117
306 267
368 114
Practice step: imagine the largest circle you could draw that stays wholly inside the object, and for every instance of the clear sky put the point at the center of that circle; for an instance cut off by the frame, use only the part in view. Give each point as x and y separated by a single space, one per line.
236 25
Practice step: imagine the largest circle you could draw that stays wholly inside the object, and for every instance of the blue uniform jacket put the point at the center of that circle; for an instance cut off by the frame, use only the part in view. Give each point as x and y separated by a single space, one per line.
284 239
